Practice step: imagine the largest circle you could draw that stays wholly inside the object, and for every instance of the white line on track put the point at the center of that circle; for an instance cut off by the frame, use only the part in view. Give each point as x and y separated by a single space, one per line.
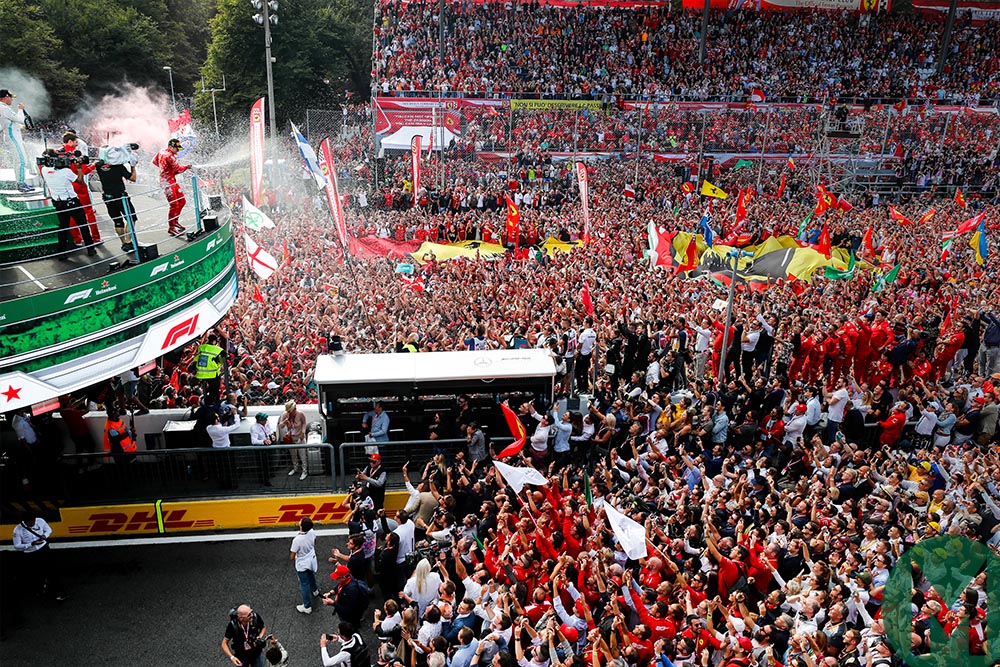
31 277
187 539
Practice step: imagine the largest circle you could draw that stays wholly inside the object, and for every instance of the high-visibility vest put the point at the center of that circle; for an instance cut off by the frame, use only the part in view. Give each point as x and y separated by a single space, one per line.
127 443
207 362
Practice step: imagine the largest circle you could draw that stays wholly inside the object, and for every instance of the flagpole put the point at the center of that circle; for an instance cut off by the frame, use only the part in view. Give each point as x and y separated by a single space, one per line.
638 149
729 316
763 145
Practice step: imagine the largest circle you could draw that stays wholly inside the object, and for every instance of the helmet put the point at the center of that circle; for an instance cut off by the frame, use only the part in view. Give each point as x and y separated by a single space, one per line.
175 143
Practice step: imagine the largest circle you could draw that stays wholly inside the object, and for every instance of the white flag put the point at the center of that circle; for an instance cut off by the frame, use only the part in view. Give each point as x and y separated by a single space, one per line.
518 477
261 261
631 535
254 218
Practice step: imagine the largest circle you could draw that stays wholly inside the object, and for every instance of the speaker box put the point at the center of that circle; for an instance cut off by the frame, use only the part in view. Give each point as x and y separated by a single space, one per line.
210 222
148 251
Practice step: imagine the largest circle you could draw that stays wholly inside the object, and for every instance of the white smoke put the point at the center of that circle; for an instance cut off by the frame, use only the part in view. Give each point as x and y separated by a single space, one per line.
30 92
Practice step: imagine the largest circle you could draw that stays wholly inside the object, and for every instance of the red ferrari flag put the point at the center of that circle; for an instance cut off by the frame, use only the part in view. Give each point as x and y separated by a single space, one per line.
257 296
513 222
869 249
687 188
588 304
516 430
970 224
691 257
741 205
960 198
781 187
926 217
824 245
899 217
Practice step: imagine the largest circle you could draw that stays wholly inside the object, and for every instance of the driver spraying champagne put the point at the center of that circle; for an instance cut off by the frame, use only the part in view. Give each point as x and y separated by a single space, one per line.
166 162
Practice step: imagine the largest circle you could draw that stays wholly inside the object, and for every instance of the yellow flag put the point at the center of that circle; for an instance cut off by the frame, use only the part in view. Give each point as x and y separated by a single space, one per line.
709 190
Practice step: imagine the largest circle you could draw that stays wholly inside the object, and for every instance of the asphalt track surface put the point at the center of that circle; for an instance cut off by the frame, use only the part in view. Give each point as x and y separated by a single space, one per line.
165 604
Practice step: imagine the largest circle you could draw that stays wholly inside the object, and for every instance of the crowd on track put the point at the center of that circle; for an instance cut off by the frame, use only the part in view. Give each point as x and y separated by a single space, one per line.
734 496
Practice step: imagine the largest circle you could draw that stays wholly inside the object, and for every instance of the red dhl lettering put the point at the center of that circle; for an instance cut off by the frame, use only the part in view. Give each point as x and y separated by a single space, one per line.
296 512
112 522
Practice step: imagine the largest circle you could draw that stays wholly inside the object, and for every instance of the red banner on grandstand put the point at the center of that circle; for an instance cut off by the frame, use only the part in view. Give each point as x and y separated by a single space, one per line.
395 114
332 193
864 6
584 181
415 161
980 11
256 149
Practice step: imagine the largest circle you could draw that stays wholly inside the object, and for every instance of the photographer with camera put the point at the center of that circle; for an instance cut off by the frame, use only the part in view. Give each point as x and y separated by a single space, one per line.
71 144
245 638
353 650
117 165
166 162
60 179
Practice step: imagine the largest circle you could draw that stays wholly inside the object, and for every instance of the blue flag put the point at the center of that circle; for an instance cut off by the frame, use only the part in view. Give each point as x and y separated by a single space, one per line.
706 229
309 157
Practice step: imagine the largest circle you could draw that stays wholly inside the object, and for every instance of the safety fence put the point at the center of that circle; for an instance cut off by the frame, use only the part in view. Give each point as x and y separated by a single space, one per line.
197 473
481 144
354 457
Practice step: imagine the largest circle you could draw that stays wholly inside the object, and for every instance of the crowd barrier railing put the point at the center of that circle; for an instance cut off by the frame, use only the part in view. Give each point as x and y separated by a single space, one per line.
196 473
354 456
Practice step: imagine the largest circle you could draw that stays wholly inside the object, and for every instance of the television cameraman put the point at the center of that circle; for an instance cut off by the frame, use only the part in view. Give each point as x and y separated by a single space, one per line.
59 178
114 168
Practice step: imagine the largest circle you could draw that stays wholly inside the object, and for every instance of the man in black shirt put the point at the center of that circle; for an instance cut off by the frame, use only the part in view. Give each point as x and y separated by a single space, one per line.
243 643
113 177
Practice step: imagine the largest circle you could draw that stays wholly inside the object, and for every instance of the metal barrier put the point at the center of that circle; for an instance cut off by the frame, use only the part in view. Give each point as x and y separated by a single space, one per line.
353 456
196 472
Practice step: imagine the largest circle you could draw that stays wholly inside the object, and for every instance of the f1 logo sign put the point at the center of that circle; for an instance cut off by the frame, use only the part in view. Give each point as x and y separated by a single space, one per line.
186 328
159 269
77 296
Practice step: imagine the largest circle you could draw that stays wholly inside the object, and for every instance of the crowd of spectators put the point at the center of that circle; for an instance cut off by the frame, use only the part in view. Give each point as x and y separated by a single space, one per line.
516 50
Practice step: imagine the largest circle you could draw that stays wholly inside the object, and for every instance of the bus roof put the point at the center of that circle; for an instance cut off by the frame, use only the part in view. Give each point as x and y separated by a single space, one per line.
361 369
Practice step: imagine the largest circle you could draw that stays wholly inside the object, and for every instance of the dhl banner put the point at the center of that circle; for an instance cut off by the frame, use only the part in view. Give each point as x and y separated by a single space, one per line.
186 516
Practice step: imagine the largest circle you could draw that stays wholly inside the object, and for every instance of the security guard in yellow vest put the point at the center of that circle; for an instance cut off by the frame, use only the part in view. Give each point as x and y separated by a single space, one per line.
208 367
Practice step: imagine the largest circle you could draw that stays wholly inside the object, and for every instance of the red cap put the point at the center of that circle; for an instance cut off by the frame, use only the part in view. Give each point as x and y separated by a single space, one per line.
375 457
745 644
981 400
800 409
340 572
572 634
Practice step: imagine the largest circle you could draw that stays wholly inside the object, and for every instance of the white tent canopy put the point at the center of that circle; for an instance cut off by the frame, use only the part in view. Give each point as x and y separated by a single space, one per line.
400 140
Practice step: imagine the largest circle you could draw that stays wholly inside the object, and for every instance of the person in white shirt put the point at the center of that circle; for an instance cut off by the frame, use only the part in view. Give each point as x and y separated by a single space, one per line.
303 552
586 343
261 435
31 537
350 643
702 346
836 406
748 346
405 530
540 438
220 440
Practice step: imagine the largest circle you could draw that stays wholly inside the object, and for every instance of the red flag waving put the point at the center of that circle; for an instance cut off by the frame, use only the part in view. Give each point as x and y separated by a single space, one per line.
257 296
588 304
899 217
867 243
824 245
926 217
741 205
516 430
513 222
175 381
781 187
970 224
959 198
691 257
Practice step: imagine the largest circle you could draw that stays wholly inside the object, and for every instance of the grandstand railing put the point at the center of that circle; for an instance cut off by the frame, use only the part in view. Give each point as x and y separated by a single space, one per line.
354 457
195 473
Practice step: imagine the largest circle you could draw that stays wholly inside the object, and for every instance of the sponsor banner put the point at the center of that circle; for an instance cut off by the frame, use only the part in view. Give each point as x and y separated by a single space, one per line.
185 516
415 159
779 5
256 149
616 4
392 115
584 182
333 200
557 105
980 11
107 292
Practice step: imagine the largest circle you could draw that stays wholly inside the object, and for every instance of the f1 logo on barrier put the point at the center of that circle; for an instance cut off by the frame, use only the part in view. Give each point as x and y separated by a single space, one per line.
186 328
77 296
160 268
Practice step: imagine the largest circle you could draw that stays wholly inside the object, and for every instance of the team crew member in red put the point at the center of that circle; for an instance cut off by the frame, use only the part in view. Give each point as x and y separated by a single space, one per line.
70 144
166 162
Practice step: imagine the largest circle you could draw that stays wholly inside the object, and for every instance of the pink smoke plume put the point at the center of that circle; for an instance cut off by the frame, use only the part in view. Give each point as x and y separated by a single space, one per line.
132 115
